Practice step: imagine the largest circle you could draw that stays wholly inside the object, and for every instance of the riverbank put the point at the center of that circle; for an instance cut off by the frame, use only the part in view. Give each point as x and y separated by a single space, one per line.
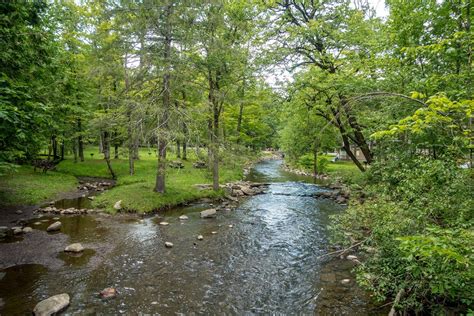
26 187
240 260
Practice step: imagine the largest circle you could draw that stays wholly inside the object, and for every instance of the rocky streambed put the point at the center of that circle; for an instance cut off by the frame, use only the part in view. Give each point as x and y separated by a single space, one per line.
260 250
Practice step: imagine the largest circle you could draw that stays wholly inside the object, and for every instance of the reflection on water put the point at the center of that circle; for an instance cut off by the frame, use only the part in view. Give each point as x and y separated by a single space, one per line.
19 287
260 258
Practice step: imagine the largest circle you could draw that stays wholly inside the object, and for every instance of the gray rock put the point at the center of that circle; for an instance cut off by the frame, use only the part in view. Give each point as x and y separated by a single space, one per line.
4 231
200 237
17 230
248 191
168 244
118 205
37 223
76 247
27 230
54 227
345 281
208 213
19 212
52 305
183 217
164 223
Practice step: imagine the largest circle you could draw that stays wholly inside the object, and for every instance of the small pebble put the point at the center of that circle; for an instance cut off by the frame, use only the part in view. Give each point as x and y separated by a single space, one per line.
200 237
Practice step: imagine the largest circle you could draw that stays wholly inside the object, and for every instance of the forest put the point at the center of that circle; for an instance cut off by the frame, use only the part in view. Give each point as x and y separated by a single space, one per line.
174 101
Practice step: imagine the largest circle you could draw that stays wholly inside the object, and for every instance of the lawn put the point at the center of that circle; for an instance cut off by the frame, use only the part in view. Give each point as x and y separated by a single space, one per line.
24 186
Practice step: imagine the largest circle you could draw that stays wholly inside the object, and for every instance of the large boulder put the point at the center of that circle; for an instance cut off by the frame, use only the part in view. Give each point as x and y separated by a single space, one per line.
54 227
52 305
209 213
76 247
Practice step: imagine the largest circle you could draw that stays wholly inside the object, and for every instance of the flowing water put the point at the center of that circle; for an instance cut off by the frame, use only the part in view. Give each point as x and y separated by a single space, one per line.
267 261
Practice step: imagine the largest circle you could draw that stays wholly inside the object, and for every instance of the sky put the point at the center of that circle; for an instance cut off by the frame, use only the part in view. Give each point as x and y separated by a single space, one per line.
379 6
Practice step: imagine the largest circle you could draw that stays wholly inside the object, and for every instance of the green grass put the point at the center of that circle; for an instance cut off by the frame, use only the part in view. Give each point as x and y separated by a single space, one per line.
26 187
136 192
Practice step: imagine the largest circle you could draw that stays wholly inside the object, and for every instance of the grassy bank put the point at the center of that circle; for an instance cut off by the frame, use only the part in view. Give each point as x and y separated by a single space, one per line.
345 170
136 192
24 186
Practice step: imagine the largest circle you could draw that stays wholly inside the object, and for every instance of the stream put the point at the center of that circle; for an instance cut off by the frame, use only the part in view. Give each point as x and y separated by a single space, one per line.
267 261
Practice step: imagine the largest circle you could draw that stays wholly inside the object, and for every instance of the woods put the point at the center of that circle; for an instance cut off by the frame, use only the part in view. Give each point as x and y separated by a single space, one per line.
137 90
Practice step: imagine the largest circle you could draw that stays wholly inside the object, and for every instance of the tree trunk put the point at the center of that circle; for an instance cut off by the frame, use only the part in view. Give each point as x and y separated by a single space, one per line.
315 157
54 144
106 151
185 157
345 141
62 149
74 150
162 143
80 143
116 151
178 149
358 135
214 129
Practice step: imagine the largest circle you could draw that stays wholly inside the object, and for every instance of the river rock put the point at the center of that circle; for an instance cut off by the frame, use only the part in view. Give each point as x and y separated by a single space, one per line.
4 231
230 226
345 281
164 223
54 227
27 230
213 232
19 212
200 237
37 223
91 197
183 217
247 191
118 205
351 257
76 247
17 230
108 292
168 244
238 193
208 213
52 305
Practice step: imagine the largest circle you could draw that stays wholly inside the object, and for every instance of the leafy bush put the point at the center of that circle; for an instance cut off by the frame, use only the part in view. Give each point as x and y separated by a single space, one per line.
307 162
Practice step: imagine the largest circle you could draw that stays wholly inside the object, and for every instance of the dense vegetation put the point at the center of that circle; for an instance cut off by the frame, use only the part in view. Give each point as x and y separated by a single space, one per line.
138 78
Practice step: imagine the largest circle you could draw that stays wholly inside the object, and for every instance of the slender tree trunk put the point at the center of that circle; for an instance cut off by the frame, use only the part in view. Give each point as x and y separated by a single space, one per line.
106 151
162 143
80 143
116 151
345 141
185 155
54 144
358 135
62 149
74 150
315 157
178 149
214 129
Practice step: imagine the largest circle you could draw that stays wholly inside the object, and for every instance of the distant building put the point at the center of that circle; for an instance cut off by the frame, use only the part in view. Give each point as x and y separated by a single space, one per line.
342 154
